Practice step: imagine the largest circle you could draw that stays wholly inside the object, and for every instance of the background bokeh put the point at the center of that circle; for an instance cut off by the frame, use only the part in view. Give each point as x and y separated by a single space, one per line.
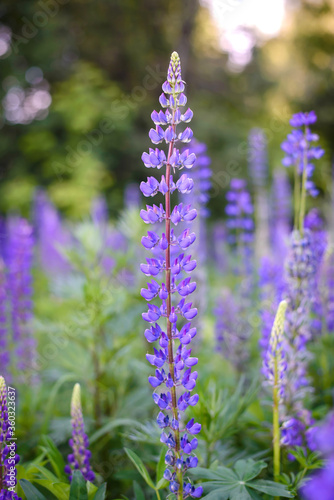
79 80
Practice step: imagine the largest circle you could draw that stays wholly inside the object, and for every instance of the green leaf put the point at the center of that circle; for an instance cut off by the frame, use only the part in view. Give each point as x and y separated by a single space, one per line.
219 494
271 488
163 483
161 466
109 426
139 494
78 489
248 469
60 490
221 473
55 457
30 491
138 463
101 492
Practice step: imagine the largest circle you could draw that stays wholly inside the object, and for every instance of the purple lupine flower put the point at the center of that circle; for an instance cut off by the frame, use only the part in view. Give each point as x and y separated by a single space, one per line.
8 455
328 292
300 271
4 349
171 259
99 211
281 211
199 195
20 250
231 330
239 210
321 484
132 196
298 149
257 157
314 222
51 236
79 459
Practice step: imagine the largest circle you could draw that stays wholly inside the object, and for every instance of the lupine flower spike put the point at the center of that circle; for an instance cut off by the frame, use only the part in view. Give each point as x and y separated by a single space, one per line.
8 456
173 360
300 275
79 459
274 368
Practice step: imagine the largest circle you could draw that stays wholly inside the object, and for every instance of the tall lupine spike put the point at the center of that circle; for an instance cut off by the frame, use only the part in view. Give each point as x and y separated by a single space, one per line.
300 270
327 272
173 360
8 456
4 348
280 217
79 459
274 369
20 251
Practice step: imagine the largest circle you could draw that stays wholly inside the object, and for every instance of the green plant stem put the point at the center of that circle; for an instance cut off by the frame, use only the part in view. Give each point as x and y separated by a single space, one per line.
276 427
158 495
296 197
169 307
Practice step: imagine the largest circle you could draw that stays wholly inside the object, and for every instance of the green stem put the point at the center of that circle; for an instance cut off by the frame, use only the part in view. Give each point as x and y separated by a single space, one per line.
276 426
158 495
296 197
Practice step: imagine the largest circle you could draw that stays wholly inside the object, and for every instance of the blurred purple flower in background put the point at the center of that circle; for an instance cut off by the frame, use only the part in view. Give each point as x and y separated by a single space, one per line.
321 485
4 338
7 449
19 258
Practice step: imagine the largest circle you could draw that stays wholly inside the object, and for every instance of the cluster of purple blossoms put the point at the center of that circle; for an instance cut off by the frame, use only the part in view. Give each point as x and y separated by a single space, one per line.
281 210
315 224
328 293
300 272
231 331
257 157
4 347
20 249
321 485
51 235
8 455
298 149
79 459
170 258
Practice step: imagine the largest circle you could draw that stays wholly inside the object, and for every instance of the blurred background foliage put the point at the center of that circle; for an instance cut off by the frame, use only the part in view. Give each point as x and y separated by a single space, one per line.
80 79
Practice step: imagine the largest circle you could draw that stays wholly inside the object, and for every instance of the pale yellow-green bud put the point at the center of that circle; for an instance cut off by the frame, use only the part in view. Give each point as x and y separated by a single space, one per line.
278 328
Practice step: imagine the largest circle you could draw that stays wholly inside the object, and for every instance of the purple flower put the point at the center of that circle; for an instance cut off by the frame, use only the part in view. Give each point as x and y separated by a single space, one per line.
51 235
257 157
79 459
8 455
299 150
321 484
173 380
4 350
300 272
20 248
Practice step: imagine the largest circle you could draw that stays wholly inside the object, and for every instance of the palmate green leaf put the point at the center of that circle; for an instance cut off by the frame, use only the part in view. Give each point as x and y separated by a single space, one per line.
78 489
238 483
30 491
138 463
248 469
271 488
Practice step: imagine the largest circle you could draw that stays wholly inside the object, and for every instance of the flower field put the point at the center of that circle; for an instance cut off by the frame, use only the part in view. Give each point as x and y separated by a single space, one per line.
172 338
